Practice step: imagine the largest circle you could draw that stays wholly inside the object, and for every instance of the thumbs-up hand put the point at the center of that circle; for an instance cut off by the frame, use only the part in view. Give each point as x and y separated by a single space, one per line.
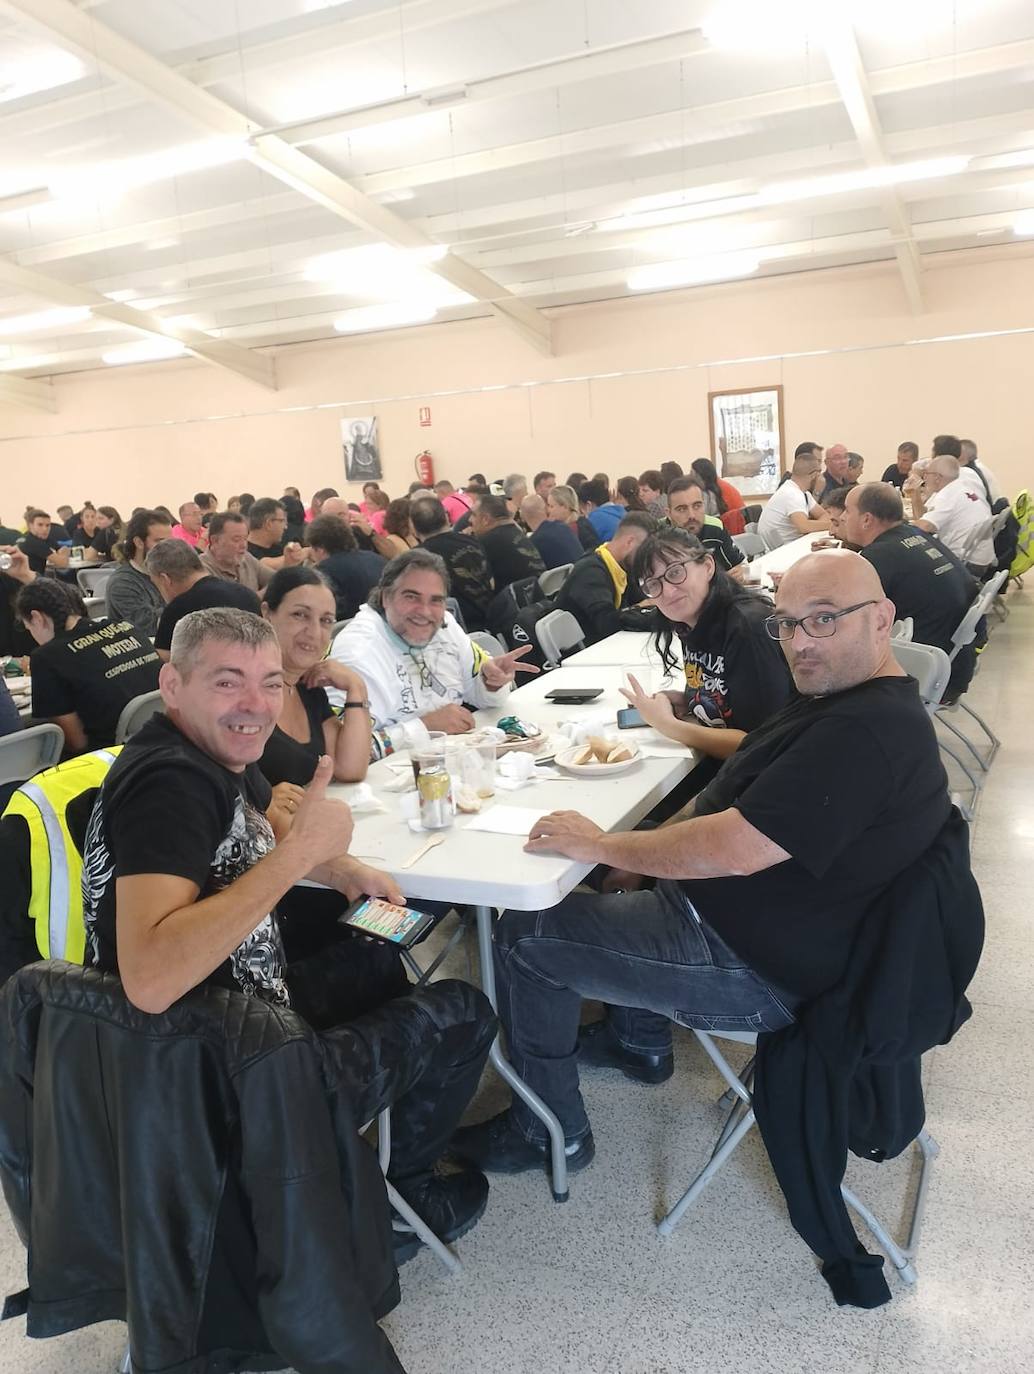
322 826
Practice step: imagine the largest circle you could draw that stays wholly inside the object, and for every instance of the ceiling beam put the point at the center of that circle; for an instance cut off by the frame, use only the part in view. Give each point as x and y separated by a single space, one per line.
256 367
845 60
543 76
116 55
26 393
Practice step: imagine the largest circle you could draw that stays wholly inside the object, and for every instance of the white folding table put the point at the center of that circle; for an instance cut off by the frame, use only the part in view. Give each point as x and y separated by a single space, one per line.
488 871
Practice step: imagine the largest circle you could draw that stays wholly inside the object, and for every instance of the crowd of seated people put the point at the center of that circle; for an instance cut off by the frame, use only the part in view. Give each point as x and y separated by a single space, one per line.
215 811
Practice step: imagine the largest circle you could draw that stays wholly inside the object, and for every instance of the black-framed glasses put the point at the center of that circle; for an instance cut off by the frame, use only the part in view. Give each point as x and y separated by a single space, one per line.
674 573
820 625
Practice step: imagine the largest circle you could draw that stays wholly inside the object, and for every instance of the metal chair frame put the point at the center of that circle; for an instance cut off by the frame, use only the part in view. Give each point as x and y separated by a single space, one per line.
931 668
750 544
739 1121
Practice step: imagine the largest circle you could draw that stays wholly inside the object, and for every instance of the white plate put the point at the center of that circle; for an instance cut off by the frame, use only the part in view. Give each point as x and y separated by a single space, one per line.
565 760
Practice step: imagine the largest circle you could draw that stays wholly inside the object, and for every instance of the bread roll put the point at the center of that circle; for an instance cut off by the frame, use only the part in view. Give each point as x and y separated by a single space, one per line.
620 754
584 755
600 747
467 800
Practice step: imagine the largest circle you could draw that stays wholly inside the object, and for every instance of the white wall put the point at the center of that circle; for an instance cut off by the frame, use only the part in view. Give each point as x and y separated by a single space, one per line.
133 436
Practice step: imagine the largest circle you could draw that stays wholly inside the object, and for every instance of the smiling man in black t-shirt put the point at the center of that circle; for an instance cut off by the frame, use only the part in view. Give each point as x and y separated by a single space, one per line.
764 888
182 874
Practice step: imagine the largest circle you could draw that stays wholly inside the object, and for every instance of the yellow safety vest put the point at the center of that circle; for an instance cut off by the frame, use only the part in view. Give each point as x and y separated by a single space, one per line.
1023 509
56 901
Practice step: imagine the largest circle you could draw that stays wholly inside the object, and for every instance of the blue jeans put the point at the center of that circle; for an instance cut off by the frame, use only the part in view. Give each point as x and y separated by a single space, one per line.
647 950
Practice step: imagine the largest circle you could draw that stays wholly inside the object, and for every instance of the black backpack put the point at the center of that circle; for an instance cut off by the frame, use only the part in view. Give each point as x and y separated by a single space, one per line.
506 604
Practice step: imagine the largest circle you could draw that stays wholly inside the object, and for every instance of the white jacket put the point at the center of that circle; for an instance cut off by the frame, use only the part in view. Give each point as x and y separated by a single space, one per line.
399 690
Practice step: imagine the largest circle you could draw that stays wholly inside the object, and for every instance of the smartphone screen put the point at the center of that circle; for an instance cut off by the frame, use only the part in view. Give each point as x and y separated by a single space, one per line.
399 924
629 718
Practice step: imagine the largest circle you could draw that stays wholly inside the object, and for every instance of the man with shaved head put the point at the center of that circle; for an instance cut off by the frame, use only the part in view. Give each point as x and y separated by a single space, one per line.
837 473
760 893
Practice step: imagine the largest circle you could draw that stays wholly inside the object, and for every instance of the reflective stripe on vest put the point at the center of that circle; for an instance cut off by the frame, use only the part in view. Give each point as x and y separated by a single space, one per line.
56 899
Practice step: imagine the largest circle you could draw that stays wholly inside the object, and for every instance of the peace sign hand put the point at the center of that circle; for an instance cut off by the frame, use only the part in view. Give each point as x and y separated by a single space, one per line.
497 672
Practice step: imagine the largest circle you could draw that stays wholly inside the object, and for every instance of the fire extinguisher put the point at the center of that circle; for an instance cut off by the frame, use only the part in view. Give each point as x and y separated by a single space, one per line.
425 468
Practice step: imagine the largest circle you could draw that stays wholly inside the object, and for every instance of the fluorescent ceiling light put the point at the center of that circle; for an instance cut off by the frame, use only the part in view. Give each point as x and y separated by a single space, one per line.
31 69
1023 224
144 351
789 25
392 315
22 362
128 293
58 318
865 178
122 175
378 269
693 271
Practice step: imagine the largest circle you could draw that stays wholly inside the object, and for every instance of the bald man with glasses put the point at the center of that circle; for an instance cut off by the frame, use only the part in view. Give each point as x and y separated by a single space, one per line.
759 894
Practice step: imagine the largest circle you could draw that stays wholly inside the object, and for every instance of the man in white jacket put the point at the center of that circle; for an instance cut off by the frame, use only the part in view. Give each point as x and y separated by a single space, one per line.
416 661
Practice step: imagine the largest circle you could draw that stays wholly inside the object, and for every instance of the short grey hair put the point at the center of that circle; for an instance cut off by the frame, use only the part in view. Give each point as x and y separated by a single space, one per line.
514 483
945 466
225 624
855 460
413 560
175 558
969 450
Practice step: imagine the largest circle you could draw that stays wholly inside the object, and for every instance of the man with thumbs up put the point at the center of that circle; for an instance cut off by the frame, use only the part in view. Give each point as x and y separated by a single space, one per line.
182 875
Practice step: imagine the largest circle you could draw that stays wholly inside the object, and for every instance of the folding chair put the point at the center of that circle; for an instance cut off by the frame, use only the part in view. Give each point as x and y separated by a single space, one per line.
554 578
902 629
136 713
751 545
91 580
337 627
411 1221
931 668
453 606
739 1121
488 642
963 636
28 752
95 605
558 631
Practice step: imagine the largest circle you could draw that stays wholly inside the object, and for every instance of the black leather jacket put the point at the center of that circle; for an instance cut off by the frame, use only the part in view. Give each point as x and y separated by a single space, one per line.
196 1174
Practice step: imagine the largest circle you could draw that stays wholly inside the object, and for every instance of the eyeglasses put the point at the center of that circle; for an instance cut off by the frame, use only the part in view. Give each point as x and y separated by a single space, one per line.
819 626
674 573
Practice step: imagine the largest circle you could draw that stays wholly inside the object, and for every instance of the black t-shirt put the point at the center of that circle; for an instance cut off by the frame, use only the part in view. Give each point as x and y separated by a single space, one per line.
92 670
167 807
853 788
511 555
38 550
286 759
927 582
352 576
736 675
208 591
718 542
260 551
587 534
894 476
470 577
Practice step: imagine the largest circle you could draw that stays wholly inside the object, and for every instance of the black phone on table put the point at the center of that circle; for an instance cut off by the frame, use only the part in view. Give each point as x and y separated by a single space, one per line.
574 696
397 925
630 719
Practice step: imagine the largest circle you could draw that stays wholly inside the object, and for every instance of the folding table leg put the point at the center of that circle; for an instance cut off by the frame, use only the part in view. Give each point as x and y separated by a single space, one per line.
126 1363
506 1070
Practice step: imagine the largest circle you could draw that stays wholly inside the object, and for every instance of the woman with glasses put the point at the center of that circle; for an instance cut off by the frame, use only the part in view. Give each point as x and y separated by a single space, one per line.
736 675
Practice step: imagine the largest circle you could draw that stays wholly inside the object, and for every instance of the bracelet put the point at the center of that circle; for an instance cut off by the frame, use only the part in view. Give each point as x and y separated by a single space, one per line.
355 706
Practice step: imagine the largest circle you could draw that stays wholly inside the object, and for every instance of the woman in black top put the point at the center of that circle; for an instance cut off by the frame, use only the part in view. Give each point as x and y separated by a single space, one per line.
300 607
85 671
107 534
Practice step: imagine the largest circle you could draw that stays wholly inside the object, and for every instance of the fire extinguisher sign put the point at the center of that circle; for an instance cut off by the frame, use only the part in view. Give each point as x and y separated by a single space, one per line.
425 415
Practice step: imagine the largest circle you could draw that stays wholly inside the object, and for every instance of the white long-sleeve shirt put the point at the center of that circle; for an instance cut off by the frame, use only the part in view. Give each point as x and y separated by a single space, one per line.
405 683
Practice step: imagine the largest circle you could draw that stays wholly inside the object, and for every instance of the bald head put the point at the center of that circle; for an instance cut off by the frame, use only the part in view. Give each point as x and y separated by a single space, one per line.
335 505
859 648
836 460
533 511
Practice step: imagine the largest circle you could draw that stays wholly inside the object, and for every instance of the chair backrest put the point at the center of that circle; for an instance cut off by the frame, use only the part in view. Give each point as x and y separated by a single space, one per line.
930 666
982 603
28 752
91 580
556 632
452 605
95 605
750 545
554 578
492 646
902 629
337 627
136 713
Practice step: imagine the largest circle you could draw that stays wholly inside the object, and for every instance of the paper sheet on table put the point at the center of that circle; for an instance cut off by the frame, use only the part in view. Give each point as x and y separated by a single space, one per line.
506 820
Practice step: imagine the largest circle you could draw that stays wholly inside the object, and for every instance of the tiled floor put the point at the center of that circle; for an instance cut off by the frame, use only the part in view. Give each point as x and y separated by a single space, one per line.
590 1288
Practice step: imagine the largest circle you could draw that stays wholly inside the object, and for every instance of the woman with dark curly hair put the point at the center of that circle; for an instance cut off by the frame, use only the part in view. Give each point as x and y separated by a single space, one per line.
84 671
397 526
628 494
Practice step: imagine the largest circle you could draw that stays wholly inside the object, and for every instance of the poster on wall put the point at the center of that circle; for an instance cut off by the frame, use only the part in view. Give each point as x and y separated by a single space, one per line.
747 445
362 449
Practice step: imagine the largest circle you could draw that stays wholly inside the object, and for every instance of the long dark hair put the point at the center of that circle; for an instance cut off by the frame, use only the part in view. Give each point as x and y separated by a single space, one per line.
628 490
672 546
288 580
708 474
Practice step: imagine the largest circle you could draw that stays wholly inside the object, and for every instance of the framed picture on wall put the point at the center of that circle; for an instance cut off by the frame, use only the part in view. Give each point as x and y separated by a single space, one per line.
747 443
361 449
